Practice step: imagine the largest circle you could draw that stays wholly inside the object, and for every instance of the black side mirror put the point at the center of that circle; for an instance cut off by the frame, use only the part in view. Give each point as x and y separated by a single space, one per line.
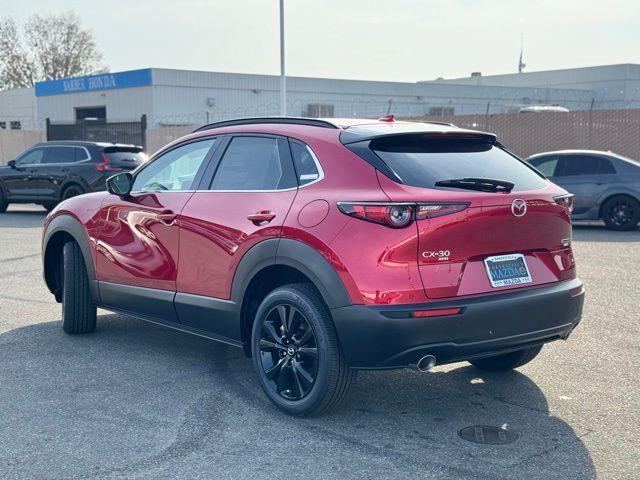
11 163
120 184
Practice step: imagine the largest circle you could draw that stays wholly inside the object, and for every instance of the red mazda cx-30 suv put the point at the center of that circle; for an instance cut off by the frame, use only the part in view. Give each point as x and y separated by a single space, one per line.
323 247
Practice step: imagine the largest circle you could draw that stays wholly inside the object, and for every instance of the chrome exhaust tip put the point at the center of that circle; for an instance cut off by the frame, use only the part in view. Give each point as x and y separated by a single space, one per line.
426 363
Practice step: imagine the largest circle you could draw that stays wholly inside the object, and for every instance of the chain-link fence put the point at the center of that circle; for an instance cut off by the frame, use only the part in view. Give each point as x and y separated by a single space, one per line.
529 133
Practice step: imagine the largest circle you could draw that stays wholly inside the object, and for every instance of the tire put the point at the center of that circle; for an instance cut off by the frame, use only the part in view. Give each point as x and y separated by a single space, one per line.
508 361
49 206
71 191
3 202
288 386
621 212
78 309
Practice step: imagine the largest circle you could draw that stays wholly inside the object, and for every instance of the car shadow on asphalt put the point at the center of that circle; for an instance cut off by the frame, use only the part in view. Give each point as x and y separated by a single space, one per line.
134 396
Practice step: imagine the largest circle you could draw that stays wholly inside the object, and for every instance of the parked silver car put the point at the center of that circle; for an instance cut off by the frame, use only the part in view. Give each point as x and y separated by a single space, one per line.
606 186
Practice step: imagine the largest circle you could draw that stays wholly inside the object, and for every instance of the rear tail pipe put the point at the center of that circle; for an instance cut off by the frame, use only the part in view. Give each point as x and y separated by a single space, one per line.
425 364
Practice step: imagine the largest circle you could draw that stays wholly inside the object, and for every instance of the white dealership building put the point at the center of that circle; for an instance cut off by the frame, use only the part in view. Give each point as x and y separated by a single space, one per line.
180 97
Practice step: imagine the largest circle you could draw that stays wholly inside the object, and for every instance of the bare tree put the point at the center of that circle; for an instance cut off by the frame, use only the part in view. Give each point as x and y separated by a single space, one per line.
46 48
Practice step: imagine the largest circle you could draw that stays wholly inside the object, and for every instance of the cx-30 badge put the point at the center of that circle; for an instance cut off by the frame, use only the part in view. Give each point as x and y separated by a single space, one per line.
518 207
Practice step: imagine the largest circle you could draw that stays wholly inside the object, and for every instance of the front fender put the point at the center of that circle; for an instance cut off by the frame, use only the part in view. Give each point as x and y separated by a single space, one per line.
56 233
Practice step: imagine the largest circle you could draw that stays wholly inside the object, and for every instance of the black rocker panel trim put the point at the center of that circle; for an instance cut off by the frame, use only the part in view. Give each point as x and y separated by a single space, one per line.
73 227
180 327
149 302
214 315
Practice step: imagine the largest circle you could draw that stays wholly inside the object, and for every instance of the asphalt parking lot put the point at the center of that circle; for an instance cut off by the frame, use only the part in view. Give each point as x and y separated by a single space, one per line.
136 400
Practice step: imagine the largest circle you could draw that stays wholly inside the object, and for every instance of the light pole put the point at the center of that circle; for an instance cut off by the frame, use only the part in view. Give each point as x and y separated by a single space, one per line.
283 78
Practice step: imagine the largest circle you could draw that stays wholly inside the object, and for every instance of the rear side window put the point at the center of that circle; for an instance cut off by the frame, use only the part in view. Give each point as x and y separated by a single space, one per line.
571 165
305 163
254 163
546 165
422 160
61 155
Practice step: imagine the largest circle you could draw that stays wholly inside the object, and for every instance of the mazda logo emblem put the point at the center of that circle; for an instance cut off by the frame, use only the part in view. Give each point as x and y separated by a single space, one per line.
518 207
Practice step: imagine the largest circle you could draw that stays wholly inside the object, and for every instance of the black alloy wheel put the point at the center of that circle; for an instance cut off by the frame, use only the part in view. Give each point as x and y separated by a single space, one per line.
72 191
296 353
288 352
621 212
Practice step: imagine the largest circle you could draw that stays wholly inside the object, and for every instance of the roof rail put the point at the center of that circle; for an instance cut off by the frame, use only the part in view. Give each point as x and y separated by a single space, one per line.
312 122
440 123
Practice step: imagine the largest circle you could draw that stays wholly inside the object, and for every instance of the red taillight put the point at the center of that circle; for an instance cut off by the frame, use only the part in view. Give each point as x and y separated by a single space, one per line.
105 165
430 210
394 215
440 312
566 201
398 215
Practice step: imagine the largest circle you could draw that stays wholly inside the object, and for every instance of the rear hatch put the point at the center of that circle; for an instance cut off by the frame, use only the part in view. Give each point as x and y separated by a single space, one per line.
124 157
521 224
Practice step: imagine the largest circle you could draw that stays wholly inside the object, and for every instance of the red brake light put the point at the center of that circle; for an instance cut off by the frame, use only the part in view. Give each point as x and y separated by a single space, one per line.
105 165
394 215
567 201
398 215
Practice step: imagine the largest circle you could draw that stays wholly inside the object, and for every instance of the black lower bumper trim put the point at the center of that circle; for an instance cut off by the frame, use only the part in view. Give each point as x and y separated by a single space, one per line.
388 337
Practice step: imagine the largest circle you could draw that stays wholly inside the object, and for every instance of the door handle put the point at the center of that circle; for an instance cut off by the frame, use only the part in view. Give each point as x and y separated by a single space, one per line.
166 216
262 217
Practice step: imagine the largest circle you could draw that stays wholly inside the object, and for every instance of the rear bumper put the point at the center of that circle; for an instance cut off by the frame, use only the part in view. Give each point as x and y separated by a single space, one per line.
389 337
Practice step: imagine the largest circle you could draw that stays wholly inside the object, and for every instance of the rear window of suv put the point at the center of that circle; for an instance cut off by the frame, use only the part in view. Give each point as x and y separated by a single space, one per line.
422 161
132 156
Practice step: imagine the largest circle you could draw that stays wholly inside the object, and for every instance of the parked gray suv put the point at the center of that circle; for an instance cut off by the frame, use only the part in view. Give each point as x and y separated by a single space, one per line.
606 186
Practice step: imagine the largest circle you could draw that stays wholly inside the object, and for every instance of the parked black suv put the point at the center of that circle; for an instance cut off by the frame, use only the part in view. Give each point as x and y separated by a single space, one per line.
53 171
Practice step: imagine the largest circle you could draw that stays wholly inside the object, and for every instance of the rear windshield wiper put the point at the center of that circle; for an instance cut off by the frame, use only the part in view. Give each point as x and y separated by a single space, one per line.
480 184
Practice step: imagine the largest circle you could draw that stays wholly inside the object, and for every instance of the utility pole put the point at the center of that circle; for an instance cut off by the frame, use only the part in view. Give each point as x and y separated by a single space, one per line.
283 78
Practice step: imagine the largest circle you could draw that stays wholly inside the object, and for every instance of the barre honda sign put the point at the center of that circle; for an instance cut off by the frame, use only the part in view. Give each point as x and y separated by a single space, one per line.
105 81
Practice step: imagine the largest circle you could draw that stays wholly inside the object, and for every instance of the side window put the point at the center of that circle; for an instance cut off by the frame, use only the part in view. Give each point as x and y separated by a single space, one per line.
60 155
546 165
606 166
305 163
579 165
81 154
32 157
254 163
174 170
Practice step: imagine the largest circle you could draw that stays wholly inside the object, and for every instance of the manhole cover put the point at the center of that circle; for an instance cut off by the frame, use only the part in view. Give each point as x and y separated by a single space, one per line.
488 435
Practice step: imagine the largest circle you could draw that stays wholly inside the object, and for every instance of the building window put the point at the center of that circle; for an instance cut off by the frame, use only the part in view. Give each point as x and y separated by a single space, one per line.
91 113
316 110
440 111
15 125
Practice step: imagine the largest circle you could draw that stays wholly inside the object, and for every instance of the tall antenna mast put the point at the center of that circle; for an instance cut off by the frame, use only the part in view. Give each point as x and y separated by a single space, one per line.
521 64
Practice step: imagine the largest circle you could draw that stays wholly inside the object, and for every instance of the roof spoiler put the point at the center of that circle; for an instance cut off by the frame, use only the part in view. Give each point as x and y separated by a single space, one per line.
350 136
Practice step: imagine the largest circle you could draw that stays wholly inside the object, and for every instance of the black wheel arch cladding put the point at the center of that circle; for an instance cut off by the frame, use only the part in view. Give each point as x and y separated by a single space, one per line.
57 233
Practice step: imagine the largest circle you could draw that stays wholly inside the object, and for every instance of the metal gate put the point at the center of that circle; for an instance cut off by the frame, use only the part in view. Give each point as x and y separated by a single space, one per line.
120 131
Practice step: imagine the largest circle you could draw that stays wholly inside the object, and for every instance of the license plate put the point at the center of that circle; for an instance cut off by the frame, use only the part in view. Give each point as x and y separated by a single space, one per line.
506 270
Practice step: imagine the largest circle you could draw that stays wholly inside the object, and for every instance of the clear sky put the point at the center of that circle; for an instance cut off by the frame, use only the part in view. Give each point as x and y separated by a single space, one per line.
401 40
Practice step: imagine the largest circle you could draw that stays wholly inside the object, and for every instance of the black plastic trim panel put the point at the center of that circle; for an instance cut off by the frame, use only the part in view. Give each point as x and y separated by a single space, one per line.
312 122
